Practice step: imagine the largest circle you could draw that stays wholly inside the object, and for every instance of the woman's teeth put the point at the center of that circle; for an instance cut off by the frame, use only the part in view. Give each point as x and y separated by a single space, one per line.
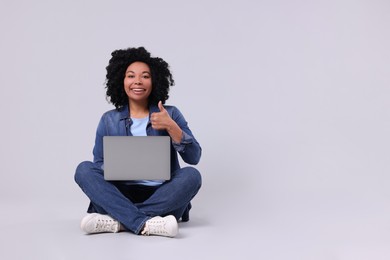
138 90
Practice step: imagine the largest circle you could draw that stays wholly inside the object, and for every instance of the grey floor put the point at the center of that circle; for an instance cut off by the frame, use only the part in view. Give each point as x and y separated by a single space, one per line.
293 227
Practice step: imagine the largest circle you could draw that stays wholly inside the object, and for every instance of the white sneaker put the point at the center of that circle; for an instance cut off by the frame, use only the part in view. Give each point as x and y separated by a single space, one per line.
98 223
166 226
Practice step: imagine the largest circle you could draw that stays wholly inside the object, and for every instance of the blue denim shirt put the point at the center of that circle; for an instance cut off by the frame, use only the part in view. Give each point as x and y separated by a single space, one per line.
118 123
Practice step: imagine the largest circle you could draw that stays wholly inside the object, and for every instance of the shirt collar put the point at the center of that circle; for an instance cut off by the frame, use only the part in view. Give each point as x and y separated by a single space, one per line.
124 111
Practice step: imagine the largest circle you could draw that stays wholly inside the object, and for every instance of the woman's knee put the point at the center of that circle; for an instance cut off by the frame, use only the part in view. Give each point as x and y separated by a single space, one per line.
193 175
83 170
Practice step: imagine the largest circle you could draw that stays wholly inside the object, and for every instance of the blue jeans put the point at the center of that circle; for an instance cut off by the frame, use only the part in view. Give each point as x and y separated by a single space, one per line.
171 198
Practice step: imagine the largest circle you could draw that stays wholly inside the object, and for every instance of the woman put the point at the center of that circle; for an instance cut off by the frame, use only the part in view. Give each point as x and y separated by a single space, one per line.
138 86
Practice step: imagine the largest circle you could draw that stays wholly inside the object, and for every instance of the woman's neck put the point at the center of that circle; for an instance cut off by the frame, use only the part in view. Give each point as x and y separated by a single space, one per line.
138 110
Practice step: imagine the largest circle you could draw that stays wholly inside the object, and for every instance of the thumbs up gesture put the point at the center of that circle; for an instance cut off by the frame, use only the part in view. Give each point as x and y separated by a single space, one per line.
161 120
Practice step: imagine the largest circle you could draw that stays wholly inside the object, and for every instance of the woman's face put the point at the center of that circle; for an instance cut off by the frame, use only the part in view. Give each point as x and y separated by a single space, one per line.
138 81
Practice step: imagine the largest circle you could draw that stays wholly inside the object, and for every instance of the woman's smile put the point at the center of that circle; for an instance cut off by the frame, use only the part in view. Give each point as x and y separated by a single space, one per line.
138 91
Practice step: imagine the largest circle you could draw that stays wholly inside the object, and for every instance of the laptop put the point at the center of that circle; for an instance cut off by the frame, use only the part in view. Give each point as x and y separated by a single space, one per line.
128 158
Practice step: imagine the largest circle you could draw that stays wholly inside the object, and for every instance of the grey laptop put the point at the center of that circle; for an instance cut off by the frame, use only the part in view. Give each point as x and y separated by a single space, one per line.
137 158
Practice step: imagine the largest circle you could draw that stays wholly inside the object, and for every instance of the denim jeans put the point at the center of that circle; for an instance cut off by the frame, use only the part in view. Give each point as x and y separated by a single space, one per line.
171 198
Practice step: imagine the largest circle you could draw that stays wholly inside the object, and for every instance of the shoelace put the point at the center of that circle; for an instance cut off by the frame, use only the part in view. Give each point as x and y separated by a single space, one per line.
105 225
155 227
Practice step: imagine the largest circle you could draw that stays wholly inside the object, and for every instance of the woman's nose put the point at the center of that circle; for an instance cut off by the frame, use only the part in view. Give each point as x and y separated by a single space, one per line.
138 81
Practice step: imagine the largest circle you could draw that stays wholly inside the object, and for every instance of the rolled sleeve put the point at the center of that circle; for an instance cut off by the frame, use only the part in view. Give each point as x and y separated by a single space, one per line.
186 139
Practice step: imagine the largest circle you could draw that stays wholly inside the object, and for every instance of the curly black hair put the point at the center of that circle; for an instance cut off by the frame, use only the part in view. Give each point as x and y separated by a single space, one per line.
121 59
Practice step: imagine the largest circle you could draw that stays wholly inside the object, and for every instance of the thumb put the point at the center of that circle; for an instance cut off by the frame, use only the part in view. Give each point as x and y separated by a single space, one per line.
160 106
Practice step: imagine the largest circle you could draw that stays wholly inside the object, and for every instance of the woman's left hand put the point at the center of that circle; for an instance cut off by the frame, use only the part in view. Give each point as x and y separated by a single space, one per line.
162 121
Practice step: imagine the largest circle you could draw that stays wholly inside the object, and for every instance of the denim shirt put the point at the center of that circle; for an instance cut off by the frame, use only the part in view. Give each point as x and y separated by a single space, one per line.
118 122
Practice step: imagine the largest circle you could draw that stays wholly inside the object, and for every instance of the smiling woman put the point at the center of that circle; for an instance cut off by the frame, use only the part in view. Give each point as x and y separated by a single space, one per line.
119 66
138 86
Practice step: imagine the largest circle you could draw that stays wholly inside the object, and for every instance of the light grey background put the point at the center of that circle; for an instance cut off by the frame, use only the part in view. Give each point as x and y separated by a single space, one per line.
289 100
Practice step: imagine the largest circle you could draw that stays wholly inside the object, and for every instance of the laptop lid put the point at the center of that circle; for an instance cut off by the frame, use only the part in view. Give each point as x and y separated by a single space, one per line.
128 158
